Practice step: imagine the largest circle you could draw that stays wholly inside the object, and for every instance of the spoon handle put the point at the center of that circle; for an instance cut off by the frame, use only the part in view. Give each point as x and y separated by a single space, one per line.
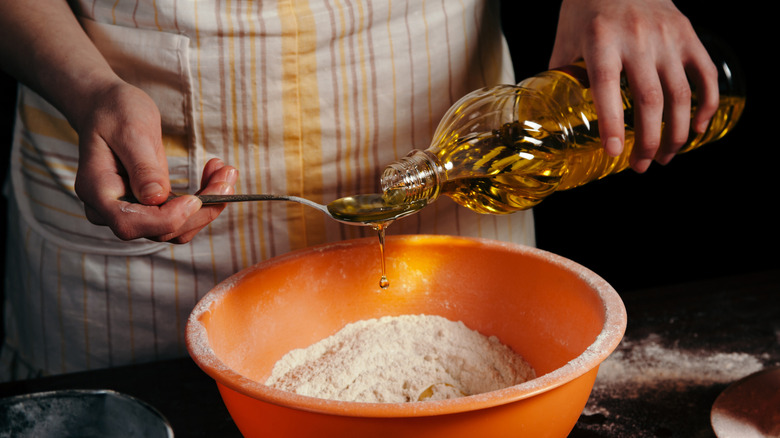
220 199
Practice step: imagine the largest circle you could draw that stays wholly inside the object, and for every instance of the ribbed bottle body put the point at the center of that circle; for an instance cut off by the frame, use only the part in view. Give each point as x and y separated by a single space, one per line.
506 148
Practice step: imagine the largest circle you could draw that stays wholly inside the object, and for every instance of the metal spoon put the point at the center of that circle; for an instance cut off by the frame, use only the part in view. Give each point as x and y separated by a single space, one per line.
369 210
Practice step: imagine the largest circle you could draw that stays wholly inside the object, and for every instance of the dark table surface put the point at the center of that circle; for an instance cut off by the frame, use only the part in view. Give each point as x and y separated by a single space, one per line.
684 345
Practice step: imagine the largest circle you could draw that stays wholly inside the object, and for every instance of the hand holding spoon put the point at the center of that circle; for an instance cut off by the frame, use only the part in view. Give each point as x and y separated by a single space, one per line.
368 210
375 210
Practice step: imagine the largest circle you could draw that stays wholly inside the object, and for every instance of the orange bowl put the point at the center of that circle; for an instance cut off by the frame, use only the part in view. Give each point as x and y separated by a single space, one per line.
561 317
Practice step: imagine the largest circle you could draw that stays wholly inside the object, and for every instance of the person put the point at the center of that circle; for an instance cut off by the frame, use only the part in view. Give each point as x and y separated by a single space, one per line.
307 97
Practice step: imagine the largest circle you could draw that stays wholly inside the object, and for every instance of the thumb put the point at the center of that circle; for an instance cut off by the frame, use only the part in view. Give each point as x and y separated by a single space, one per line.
139 148
121 148
147 171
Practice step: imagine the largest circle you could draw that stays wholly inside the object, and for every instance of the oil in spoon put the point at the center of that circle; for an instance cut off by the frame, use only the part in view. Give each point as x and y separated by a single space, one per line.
373 208
377 210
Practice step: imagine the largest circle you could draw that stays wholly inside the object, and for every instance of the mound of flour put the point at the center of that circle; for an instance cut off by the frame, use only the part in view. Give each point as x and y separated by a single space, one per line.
400 359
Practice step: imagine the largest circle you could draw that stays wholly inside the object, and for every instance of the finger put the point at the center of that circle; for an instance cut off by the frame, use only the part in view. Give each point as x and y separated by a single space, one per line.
93 216
132 220
564 52
212 174
147 169
704 76
137 142
604 75
648 98
218 179
100 182
99 179
677 111
200 220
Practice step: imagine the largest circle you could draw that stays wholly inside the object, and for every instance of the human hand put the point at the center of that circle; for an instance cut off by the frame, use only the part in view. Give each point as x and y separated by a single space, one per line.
43 46
121 152
658 50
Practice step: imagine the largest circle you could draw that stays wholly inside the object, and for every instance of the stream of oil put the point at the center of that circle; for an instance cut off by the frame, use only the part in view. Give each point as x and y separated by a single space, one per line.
380 228
377 210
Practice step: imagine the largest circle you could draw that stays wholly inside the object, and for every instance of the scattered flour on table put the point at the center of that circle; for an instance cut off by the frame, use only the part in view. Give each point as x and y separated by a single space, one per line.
646 385
645 366
396 359
647 363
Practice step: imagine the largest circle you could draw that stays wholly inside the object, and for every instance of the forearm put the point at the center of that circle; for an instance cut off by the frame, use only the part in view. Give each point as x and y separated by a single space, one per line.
43 46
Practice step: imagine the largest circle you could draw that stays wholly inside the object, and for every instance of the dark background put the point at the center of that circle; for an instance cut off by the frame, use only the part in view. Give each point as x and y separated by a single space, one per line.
708 213
7 101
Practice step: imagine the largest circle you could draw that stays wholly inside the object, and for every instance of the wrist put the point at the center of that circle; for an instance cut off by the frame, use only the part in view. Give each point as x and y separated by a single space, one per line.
79 98
43 46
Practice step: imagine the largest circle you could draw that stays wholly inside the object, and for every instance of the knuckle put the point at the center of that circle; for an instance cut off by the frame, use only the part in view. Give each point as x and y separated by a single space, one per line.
647 146
679 138
651 97
123 230
604 74
634 22
598 29
212 213
676 141
142 171
708 107
680 94
93 216
709 72
82 186
647 150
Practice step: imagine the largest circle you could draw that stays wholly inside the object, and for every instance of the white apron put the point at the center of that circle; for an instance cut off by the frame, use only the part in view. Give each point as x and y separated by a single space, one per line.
305 97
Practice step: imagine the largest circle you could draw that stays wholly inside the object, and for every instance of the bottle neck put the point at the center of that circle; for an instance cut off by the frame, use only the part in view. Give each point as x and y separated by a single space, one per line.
414 177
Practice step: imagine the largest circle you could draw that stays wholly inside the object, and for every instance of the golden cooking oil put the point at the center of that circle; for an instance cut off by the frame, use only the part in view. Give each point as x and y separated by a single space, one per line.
374 208
377 210
506 148
380 228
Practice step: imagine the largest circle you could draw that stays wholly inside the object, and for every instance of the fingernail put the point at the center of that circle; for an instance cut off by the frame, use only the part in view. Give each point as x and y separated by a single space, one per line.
193 204
232 175
613 146
151 190
642 164
226 189
701 128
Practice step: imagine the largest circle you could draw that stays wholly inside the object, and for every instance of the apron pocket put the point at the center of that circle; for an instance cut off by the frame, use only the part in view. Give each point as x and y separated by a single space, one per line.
45 152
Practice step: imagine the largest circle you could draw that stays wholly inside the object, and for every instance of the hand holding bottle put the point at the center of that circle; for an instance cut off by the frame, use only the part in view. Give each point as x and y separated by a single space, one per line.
506 148
655 46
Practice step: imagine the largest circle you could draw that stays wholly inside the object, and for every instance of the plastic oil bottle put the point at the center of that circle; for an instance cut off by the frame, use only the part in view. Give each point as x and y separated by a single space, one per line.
505 148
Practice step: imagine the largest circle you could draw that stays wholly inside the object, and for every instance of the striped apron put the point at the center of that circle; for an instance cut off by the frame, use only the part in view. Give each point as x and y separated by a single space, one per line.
305 97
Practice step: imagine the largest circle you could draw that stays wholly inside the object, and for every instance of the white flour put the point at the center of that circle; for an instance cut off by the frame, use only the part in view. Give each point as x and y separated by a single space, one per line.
649 384
646 365
400 359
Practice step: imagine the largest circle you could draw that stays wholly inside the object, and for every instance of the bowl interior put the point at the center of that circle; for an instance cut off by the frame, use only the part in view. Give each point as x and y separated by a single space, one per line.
546 308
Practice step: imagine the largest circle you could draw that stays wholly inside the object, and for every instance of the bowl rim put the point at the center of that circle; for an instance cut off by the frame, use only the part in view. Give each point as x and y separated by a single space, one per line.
163 425
605 343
